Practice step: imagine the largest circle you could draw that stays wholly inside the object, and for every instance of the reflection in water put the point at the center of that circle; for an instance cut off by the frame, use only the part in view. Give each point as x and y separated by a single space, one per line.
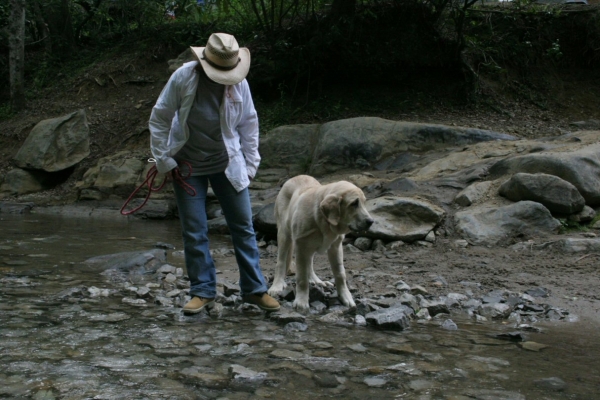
57 346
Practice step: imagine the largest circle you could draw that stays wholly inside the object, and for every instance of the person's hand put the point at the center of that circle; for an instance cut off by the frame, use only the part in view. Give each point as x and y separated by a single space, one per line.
164 177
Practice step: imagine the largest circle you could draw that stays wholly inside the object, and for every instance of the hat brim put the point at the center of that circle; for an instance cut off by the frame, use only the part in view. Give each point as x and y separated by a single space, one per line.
230 77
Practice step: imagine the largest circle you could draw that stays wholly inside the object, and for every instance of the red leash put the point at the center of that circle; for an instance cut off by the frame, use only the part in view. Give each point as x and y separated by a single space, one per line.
149 182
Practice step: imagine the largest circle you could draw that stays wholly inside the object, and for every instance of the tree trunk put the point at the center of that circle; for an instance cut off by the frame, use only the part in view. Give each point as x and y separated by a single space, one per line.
16 62
42 27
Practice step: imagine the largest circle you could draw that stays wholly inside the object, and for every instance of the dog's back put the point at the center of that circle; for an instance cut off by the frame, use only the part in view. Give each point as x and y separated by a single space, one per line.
287 191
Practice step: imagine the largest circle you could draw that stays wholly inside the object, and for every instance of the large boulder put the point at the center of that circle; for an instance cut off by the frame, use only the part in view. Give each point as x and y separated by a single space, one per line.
352 142
264 220
19 181
120 174
360 142
574 245
56 144
502 225
290 147
580 167
473 193
402 218
558 195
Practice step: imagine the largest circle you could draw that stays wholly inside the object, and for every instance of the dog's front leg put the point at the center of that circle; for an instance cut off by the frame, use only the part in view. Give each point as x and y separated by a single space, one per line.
335 254
304 261
285 248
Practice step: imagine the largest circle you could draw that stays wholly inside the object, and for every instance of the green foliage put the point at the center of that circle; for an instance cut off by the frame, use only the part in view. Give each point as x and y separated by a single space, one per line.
553 52
567 226
5 112
302 47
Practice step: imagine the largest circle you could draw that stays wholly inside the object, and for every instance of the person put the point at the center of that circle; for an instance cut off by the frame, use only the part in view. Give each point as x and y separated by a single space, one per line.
204 126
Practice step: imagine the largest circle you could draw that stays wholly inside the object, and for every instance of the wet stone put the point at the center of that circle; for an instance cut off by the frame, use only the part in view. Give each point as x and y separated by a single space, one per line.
326 380
528 328
334 317
483 394
208 379
163 301
114 317
552 384
295 327
144 291
241 374
288 354
390 318
402 349
325 364
375 382
316 293
357 347
449 325
532 346
423 315
407 368
285 317
409 300
538 292
15 263
495 310
435 307
360 320
420 385
402 286
173 293
418 289
512 336
317 307
491 360
492 299
455 299
533 307
163 245
230 288
363 243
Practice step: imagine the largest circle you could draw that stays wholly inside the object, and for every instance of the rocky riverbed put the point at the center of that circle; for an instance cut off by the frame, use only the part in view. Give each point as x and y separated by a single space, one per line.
91 308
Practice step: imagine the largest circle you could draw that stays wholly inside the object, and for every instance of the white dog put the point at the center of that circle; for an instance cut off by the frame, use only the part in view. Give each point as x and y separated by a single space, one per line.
314 218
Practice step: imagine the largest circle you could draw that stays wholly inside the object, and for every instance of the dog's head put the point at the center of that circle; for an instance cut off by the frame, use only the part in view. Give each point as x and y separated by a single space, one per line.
344 208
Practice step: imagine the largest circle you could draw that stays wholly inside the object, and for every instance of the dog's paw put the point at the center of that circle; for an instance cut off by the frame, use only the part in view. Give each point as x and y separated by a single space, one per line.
314 279
326 284
347 300
301 307
276 289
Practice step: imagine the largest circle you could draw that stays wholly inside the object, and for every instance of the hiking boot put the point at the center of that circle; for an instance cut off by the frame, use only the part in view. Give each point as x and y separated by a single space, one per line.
263 300
197 304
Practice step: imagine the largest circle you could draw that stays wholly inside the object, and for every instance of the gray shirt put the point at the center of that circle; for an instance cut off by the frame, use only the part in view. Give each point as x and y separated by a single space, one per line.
205 149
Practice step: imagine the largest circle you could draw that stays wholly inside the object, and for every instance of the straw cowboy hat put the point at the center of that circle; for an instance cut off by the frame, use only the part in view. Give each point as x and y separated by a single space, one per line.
223 60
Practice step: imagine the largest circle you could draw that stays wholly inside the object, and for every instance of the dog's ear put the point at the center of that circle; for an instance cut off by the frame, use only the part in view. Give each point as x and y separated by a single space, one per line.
330 207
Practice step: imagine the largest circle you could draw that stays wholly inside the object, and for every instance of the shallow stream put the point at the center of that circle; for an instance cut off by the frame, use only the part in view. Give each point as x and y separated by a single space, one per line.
103 348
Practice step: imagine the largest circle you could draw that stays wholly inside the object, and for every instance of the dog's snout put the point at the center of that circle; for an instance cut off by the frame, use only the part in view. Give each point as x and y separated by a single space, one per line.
369 222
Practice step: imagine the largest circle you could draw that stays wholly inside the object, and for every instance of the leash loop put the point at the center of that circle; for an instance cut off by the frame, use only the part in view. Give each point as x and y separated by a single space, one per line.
149 183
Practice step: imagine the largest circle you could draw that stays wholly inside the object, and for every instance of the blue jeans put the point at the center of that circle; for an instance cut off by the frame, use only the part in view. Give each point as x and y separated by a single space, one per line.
238 214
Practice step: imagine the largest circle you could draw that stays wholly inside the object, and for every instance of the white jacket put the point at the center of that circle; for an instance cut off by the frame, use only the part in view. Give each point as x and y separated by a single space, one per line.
239 125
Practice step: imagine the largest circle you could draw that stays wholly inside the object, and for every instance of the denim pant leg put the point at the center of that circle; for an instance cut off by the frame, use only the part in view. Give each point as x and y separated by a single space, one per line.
238 214
192 214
